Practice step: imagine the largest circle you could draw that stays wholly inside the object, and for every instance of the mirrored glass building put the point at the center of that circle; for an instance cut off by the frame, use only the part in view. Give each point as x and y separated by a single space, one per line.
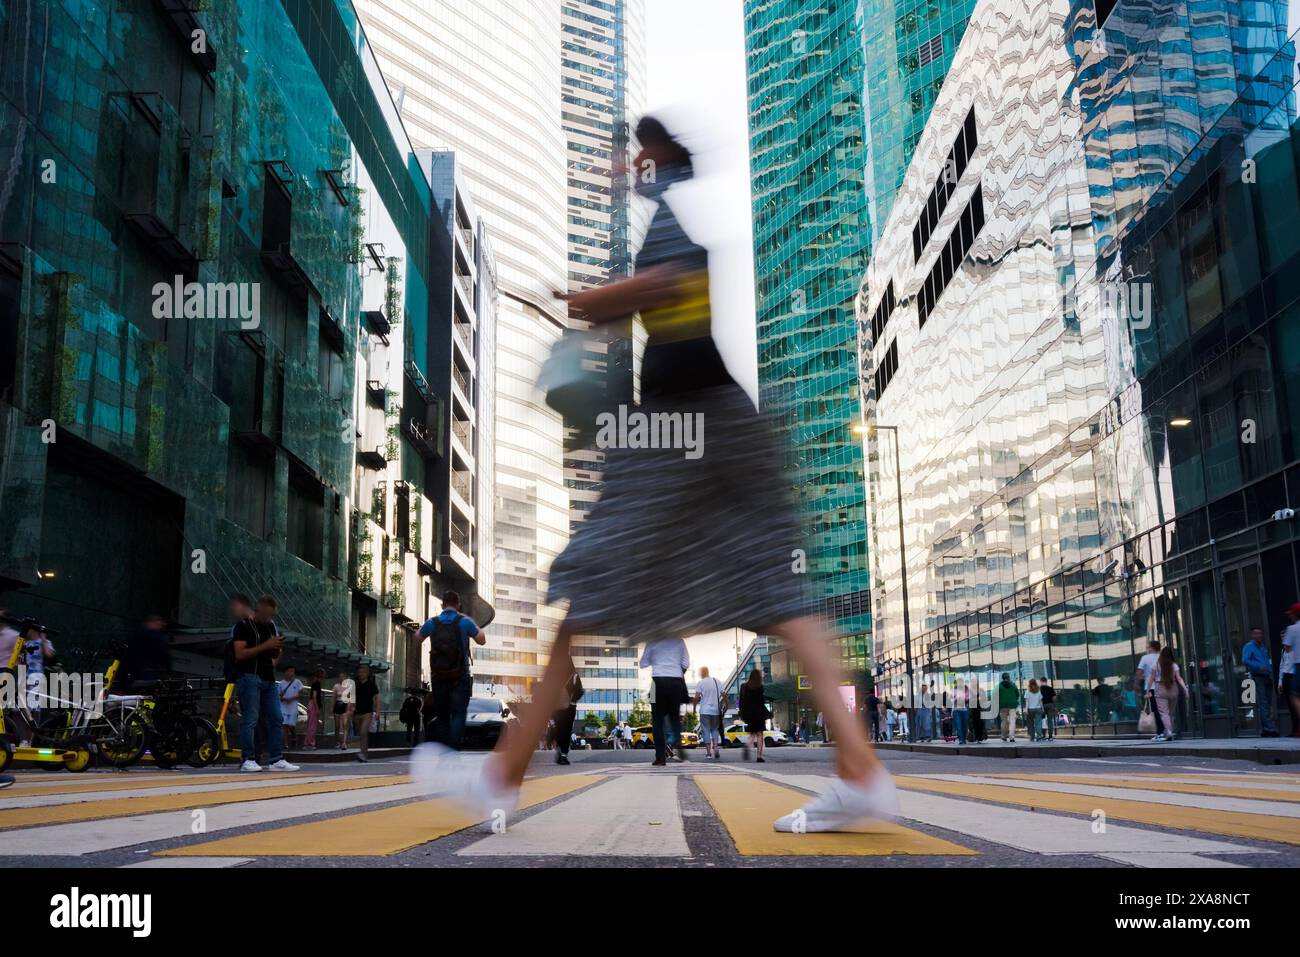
219 348
1080 323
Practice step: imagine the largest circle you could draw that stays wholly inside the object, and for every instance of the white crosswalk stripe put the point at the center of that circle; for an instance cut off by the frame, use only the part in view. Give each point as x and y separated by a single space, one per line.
82 797
623 817
89 837
1041 834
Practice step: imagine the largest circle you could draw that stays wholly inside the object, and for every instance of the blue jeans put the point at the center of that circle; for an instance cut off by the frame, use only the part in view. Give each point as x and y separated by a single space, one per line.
450 701
1265 694
259 700
923 724
959 716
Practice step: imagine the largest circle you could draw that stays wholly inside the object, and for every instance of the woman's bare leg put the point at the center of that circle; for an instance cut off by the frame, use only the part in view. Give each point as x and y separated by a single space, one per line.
516 749
855 759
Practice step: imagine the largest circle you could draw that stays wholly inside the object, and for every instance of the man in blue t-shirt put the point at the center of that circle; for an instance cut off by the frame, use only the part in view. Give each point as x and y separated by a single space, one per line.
450 680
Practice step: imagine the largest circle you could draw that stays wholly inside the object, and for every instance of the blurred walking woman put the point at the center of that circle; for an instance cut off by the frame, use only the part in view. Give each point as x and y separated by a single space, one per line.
683 541
1168 685
753 710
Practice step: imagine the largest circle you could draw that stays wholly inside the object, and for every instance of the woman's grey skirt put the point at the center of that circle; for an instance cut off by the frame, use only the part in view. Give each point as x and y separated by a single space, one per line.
690 540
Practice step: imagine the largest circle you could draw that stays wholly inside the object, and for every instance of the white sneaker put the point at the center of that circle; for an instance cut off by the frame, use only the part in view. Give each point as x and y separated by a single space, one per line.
283 765
250 766
843 804
1158 737
468 781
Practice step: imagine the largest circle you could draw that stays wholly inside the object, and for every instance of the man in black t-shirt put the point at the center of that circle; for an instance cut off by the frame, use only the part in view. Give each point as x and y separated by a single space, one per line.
256 644
367 710
1049 707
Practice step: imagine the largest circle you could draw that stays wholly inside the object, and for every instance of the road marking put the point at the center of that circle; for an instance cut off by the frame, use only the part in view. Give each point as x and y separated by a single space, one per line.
190 862
89 837
1259 827
190 787
1169 859
622 817
1218 789
1039 834
1242 805
747 808
34 817
382 832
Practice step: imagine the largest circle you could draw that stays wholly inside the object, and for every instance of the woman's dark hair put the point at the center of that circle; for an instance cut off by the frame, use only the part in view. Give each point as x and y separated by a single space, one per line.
1167 667
650 132
755 679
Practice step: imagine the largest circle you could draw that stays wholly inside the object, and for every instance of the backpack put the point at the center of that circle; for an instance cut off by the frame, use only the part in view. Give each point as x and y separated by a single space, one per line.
446 651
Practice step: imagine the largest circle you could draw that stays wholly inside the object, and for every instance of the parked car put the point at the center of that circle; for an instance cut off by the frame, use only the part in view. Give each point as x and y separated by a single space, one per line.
737 735
485 722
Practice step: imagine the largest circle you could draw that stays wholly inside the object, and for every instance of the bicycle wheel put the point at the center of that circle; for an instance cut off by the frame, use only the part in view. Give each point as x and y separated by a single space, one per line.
207 743
6 754
56 731
172 744
123 746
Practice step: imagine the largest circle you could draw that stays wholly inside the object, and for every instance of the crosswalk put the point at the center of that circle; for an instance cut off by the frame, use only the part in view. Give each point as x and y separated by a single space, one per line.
687 812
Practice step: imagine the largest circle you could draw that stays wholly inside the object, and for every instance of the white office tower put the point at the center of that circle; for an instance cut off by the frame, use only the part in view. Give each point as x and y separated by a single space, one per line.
483 79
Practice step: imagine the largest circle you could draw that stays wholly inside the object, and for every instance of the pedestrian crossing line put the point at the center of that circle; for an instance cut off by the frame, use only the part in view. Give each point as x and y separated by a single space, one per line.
1258 827
26 799
1024 830
1287 782
79 838
622 817
27 783
747 807
189 862
117 807
1203 802
1152 784
373 833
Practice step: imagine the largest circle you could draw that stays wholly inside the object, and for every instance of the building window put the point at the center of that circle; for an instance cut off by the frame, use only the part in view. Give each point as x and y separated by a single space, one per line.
963 148
886 369
1104 8
306 516
930 50
250 478
962 237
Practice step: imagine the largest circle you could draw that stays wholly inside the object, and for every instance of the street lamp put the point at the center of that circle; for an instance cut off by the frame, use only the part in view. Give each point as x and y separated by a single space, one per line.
870 429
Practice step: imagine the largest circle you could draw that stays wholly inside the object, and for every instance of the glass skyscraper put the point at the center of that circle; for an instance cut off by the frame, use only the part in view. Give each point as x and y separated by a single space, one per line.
602 56
159 457
909 45
1085 335
807 157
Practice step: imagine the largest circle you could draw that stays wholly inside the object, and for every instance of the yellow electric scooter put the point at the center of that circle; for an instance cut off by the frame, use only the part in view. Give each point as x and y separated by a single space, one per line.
76 756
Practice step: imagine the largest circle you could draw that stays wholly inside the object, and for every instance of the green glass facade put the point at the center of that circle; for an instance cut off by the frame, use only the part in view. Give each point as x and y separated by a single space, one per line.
811 233
909 46
155 463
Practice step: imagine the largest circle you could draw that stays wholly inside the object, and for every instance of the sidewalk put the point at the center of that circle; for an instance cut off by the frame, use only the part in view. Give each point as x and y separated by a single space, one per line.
1259 750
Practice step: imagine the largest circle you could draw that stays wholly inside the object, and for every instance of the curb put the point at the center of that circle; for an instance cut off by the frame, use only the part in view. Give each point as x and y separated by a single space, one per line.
1257 755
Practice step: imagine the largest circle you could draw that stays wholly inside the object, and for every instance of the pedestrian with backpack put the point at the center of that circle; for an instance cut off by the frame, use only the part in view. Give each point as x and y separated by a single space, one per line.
451 681
565 716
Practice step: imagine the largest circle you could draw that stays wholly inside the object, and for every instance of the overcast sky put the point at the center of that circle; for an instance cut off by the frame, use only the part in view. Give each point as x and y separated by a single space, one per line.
696 85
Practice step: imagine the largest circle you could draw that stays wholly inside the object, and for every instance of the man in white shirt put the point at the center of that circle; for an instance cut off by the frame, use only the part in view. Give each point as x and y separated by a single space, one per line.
290 688
708 698
1288 684
1145 677
668 662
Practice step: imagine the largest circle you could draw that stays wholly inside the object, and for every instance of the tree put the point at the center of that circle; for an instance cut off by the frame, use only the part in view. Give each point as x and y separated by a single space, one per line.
690 721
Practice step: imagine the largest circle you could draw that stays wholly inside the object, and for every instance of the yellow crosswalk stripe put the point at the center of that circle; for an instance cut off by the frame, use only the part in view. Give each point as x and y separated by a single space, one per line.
1151 784
382 832
129 782
97 810
747 808
1260 827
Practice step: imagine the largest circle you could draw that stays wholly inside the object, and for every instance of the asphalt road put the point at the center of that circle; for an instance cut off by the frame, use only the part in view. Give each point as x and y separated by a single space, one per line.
614 809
